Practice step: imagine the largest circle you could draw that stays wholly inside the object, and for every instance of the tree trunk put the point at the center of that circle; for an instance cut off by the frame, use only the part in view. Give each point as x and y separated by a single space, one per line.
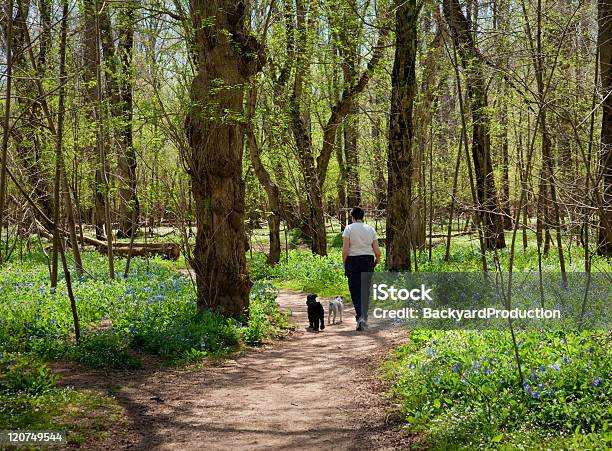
315 220
226 58
59 160
505 160
90 68
401 135
274 216
548 194
380 184
129 207
352 159
605 61
425 109
341 185
315 174
7 113
349 41
491 218
313 183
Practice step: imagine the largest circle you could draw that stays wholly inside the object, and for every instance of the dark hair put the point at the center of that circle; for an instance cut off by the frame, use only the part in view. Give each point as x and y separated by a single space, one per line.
357 213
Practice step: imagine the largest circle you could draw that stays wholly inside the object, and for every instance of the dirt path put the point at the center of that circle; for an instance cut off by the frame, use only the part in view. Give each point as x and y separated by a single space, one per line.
309 391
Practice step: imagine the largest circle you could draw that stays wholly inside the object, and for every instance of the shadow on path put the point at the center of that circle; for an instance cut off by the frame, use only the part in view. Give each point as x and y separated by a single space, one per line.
308 391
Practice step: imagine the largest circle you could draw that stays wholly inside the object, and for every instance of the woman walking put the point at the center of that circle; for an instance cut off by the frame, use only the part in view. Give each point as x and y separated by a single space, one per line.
360 255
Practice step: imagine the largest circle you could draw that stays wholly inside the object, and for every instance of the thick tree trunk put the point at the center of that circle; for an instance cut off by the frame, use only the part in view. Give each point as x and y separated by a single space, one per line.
90 68
605 61
349 41
225 60
129 206
491 218
401 135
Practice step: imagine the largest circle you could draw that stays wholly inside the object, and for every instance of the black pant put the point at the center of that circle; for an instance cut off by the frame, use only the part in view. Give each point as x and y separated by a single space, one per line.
359 270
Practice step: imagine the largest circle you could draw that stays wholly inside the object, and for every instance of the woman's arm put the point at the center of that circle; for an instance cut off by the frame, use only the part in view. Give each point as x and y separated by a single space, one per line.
345 249
376 249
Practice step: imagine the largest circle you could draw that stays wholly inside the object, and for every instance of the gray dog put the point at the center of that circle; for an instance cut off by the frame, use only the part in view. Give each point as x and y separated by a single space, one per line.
336 306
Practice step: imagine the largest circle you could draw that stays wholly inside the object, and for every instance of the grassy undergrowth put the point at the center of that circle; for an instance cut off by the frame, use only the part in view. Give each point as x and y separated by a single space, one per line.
462 390
153 311
30 400
87 418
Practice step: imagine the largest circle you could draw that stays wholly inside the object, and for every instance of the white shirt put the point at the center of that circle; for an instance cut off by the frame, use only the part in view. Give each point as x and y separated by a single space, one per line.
360 237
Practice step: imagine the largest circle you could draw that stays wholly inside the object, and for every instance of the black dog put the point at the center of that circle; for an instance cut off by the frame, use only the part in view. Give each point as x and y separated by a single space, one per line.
315 313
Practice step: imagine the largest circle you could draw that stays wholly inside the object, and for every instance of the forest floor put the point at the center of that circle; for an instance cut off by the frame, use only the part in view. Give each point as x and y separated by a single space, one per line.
309 390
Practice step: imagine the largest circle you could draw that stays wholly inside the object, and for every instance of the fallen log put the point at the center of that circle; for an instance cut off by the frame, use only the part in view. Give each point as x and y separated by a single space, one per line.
169 251
85 239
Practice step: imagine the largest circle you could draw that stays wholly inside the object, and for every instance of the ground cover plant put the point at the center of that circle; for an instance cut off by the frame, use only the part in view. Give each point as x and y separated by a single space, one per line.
462 389
31 400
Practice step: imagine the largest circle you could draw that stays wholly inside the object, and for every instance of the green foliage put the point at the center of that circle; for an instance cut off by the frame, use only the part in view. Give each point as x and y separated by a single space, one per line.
81 414
102 350
189 337
265 318
462 389
337 241
296 237
24 374
305 271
